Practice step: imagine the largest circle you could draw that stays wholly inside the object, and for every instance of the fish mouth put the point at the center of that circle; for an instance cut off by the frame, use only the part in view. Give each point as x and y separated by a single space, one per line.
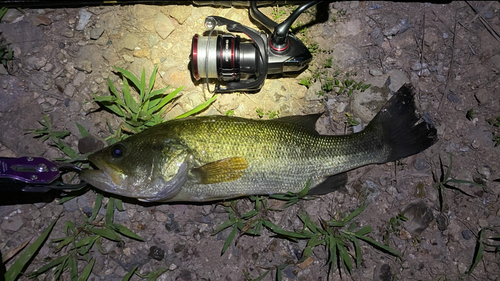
108 178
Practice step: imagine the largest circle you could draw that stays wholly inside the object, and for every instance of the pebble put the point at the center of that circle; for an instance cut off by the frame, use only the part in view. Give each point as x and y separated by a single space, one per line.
442 222
483 223
79 79
70 206
84 18
163 25
96 33
482 96
156 253
467 234
41 20
12 224
69 90
376 72
419 217
421 164
453 98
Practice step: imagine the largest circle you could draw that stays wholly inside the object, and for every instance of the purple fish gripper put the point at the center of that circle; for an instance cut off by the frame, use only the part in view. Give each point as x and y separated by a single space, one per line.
31 170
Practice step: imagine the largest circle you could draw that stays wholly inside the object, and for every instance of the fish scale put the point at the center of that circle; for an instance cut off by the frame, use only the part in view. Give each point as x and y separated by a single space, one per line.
221 157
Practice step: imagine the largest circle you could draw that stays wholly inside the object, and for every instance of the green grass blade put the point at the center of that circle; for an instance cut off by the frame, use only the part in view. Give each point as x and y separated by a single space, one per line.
27 256
344 256
51 264
153 275
127 232
73 269
229 240
355 213
288 234
129 100
142 87
198 109
97 206
83 131
85 241
86 271
164 100
364 230
225 225
478 254
152 81
130 76
119 205
106 233
357 249
379 245
129 274
110 211
112 88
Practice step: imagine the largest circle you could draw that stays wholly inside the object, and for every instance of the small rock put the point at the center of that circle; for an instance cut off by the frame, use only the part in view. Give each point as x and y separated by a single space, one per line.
74 106
153 40
69 90
485 172
467 234
129 41
419 190
3 71
419 217
440 78
156 253
83 65
172 225
401 27
382 273
416 65
405 235
482 96
96 33
483 223
12 15
181 13
163 25
453 98
345 55
376 72
70 206
68 33
84 18
475 144
442 222
79 79
36 63
312 92
340 107
493 221
421 164
41 20
12 224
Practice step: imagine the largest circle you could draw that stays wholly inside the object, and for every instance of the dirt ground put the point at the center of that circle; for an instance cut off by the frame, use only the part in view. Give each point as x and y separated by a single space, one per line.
450 52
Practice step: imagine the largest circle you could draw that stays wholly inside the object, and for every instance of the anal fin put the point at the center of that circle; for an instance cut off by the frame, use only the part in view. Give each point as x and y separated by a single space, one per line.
330 184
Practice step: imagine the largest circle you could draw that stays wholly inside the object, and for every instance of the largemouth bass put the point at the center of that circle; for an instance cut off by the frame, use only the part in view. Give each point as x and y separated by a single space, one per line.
220 157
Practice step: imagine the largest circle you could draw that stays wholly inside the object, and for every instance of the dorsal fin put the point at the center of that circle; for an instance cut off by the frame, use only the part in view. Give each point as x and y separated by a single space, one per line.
307 122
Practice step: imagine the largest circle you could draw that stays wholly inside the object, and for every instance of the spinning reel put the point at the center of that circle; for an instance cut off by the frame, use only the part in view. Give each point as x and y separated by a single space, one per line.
243 66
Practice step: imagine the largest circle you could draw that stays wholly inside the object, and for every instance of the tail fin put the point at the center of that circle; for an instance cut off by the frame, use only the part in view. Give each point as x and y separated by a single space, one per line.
398 123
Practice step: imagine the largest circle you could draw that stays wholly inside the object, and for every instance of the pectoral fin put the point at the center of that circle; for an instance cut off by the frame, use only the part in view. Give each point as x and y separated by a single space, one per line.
224 170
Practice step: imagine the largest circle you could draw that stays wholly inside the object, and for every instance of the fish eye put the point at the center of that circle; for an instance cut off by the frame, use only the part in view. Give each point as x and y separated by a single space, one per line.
118 150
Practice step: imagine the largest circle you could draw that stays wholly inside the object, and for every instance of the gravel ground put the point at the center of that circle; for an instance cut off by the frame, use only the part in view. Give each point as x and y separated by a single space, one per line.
449 52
